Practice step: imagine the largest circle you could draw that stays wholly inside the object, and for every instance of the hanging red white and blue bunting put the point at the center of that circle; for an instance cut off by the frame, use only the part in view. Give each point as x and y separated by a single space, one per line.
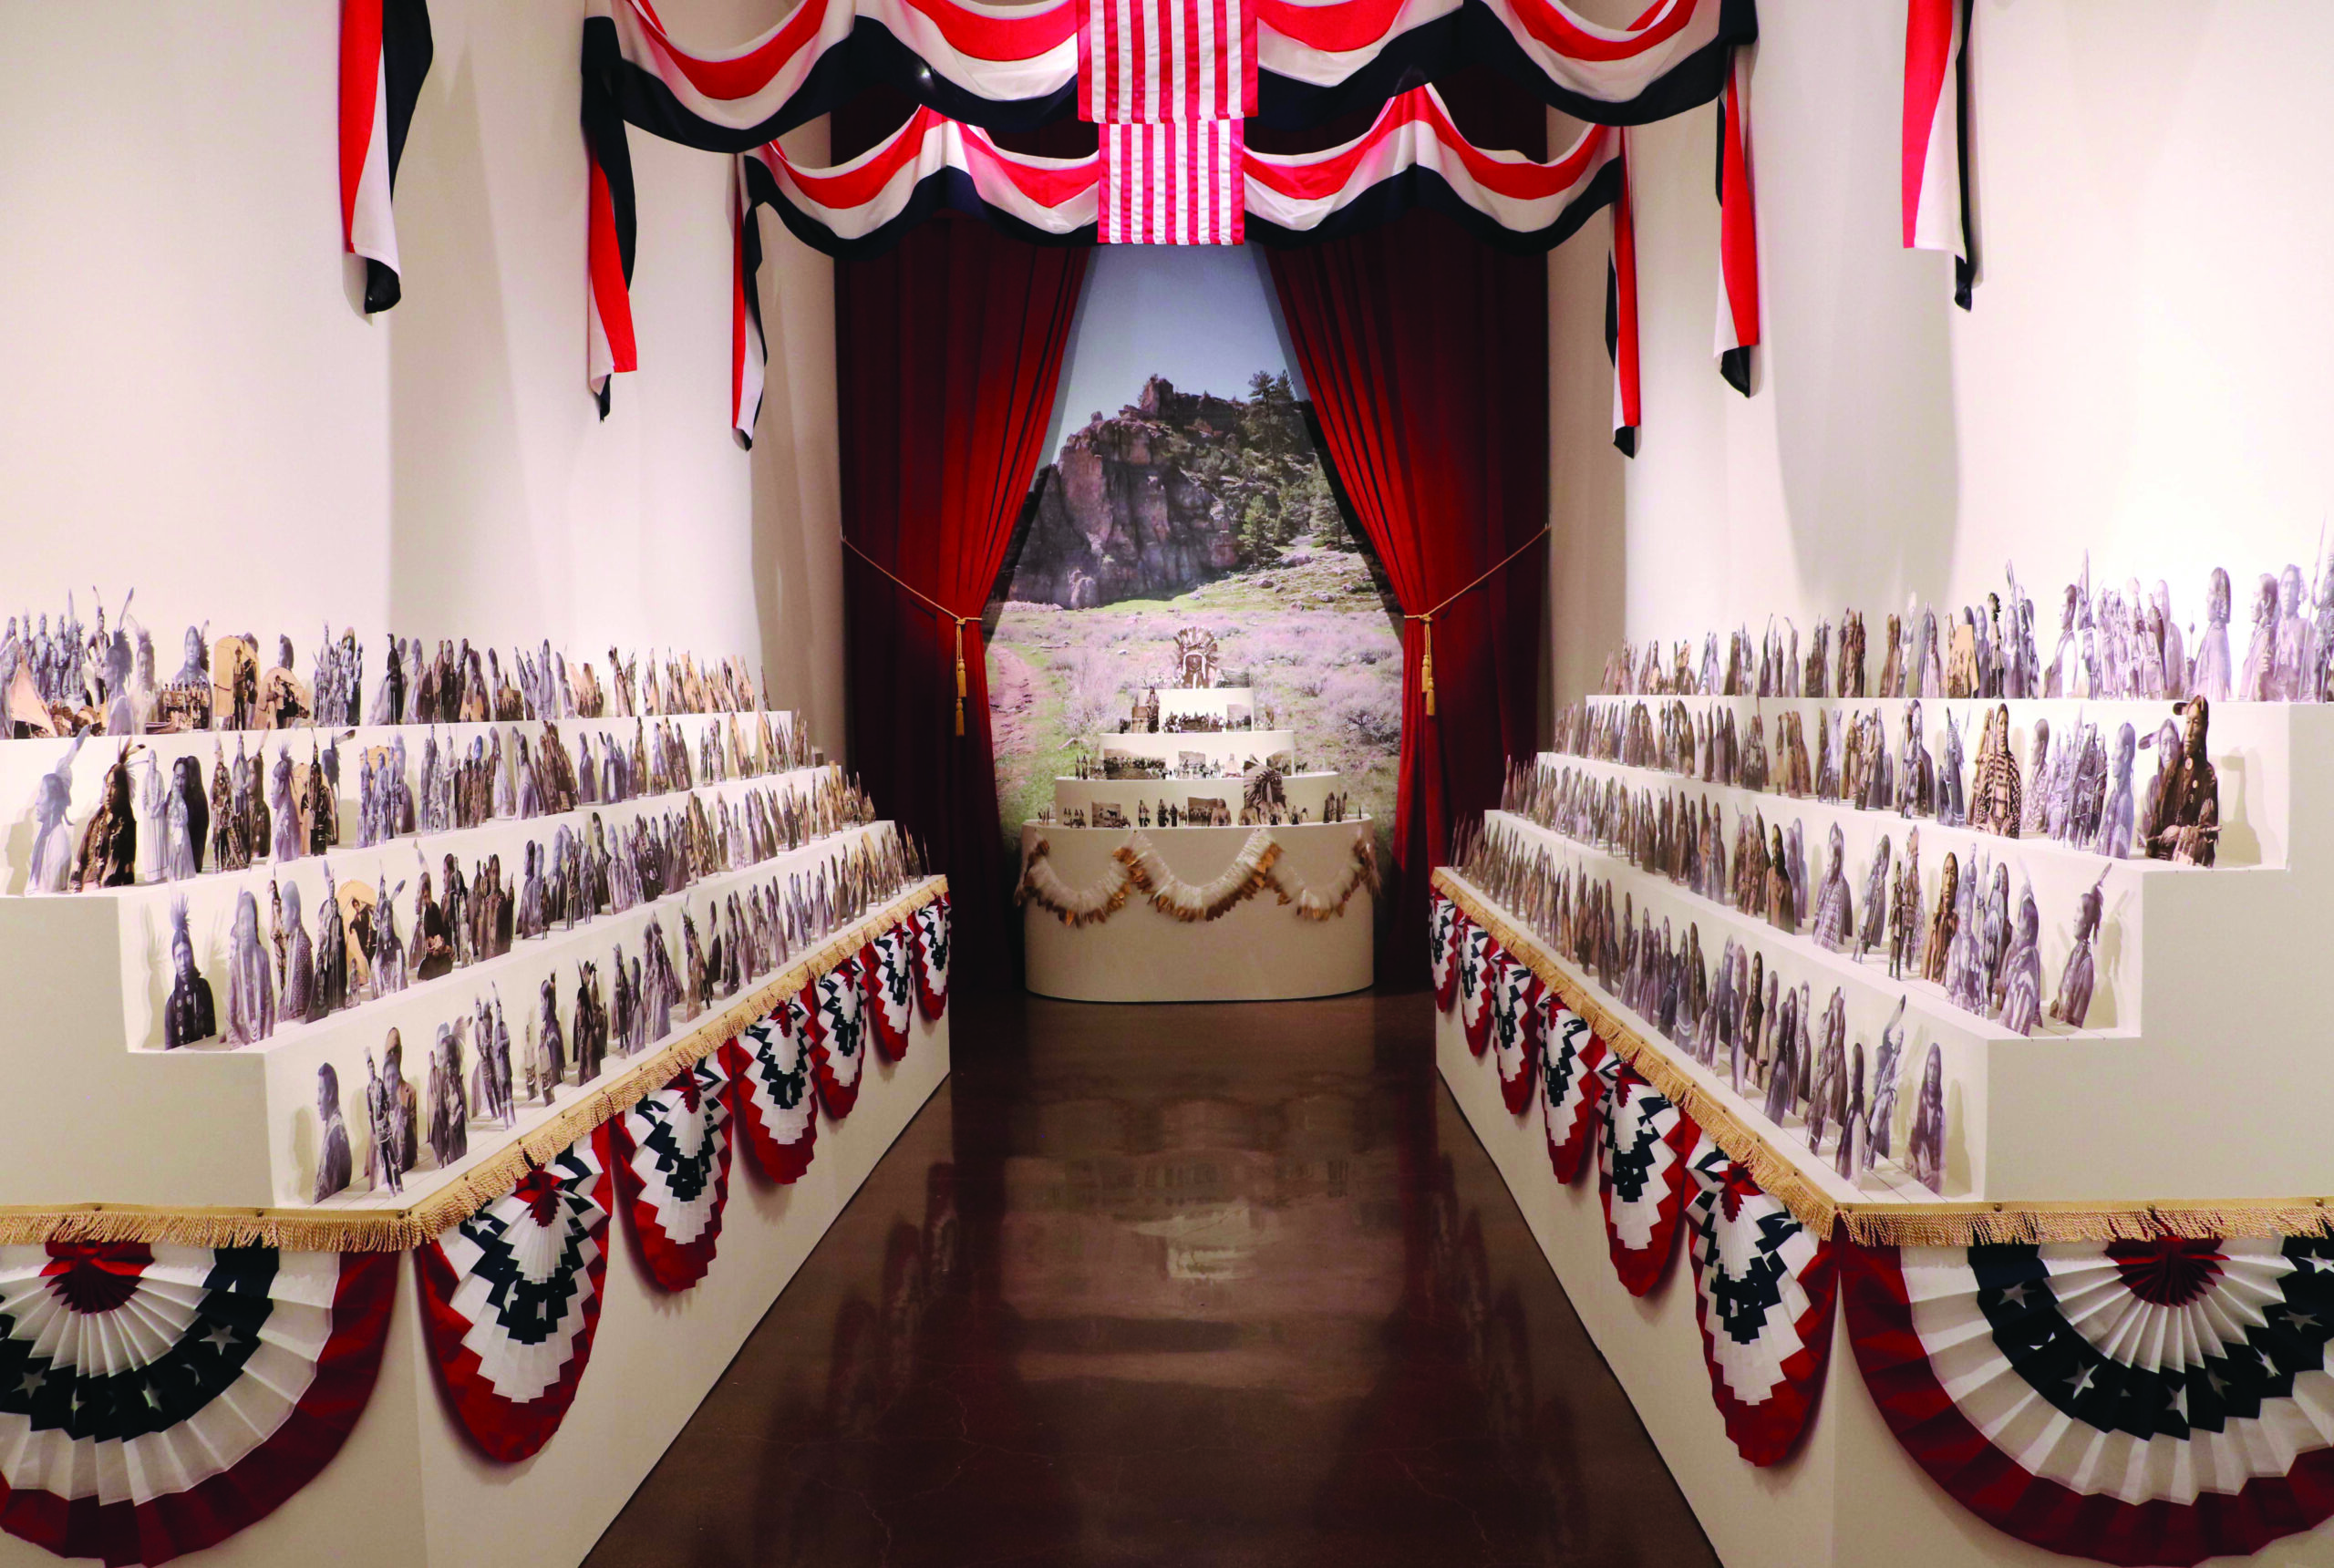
1411 156
749 349
1621 312
1935 160
1173 119
998 68
2154 1402
1764 1289
159 1399
838 1034
672 1159
1641 1174
1442 923
1319 61
932 957
889 974
1737 230
1478 951
385 55
771 1064
1017 68
511 1300
1515 1031
860 207
1414 155
1573 1092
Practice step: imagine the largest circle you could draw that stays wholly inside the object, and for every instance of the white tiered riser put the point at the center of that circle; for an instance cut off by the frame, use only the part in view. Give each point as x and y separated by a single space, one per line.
411 1490
2203 1020
1306 792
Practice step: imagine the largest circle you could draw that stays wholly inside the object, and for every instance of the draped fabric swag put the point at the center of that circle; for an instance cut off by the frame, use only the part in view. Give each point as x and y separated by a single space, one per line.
948 352
950 334
1425 353
980 69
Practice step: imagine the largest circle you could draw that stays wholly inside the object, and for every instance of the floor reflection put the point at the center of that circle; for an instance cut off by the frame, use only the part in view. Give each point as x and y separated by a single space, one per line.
1177 1285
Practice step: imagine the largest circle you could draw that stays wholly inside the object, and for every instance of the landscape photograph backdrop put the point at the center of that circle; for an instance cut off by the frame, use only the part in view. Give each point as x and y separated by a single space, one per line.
1186 491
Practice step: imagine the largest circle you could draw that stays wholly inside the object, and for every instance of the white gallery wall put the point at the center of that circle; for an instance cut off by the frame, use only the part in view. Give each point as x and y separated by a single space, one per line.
196 408
2144 374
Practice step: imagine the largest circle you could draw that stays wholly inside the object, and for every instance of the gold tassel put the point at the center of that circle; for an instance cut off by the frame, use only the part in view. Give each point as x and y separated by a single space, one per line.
1426 661
960 675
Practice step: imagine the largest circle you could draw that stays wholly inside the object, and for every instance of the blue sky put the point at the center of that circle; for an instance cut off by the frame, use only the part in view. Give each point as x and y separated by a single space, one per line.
1198 314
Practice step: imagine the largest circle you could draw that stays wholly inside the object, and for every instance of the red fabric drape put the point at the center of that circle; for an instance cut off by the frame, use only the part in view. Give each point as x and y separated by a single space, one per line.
948 349
1426 356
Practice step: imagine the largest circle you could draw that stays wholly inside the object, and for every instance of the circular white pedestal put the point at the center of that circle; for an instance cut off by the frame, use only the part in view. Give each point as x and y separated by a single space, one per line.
1261 951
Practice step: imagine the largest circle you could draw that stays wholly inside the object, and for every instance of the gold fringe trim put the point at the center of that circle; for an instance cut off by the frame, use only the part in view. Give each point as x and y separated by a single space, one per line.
1969 1225
1362 873
1783 1173
1249 873
1136 868
1042 885
400 1230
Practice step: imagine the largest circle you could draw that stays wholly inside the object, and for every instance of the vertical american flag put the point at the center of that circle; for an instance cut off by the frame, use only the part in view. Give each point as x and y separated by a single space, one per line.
1170 82
1174 184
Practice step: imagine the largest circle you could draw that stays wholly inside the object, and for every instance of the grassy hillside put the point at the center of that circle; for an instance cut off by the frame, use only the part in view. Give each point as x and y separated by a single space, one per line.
1308 630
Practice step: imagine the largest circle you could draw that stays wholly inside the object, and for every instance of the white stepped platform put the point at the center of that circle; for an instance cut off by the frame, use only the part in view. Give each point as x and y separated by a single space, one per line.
1258 951
2202 1076
214 1126
1205 702
1306 792
1848 1496
221 1127
1227 748
408 1490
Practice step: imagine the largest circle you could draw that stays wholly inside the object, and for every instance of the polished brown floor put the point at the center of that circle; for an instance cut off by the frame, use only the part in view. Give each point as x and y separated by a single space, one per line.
1207 1286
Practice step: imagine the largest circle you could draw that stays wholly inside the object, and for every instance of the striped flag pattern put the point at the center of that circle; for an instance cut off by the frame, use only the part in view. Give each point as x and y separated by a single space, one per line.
1172 83
1150 62
1174 184
385 53
1621 312
1937 154
1737 230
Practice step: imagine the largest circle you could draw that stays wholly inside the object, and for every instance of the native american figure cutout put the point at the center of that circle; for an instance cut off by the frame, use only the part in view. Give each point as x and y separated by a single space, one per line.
1198 661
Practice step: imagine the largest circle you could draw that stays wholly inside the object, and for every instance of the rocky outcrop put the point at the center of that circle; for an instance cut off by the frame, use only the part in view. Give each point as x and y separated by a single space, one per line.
1129 510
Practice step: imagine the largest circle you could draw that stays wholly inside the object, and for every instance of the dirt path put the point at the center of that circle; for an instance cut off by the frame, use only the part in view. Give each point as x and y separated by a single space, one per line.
1011 696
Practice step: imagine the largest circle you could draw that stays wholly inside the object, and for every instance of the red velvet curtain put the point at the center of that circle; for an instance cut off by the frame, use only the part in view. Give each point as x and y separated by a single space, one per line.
1425 354
948 349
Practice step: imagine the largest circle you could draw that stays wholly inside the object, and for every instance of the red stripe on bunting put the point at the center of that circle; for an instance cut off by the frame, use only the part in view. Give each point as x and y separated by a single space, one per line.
1737 230
747 71
1621 324
360 91
1312 176
1006 34
611 294
1931 37
1351 25
1562 31
1962 1458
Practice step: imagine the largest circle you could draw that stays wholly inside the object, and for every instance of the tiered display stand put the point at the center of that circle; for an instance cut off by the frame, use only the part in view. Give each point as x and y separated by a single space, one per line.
119 1139
1257 951
2194 1102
